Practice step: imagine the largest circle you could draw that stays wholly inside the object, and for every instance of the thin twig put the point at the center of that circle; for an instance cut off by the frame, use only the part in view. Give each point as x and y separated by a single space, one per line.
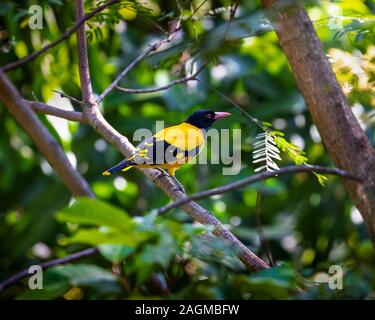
255 178
160 28
25 272
154 284
196 10
34 96
150 48
42 138
233 9
235 104
124 72
172 83
65 36
53 111
64 95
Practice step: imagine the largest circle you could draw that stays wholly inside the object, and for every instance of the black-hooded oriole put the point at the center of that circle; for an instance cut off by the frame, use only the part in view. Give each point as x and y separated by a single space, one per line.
172 147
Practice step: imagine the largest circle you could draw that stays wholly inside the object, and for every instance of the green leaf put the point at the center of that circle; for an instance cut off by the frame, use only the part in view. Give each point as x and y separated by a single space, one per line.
52 291
339 34
115 253
321 178
273 283
97 237
294 152
166 58
266 123
95 212
85 274
240 28
160 253
53 287
280 276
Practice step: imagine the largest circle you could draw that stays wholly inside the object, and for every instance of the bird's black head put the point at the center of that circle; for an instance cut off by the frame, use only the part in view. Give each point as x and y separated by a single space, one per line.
204 119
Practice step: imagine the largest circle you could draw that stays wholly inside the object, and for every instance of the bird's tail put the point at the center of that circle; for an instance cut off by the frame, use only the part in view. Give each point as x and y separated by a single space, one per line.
121 166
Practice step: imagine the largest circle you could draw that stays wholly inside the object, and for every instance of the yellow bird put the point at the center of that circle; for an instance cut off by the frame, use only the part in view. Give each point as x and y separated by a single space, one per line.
171 147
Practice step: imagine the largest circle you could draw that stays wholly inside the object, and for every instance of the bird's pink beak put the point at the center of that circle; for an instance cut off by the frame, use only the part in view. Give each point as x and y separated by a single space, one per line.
219 115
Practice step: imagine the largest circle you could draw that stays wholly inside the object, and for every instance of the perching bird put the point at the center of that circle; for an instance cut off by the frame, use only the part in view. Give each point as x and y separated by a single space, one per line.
171 147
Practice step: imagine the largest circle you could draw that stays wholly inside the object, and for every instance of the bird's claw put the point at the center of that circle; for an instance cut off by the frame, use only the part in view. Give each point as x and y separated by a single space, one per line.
178 183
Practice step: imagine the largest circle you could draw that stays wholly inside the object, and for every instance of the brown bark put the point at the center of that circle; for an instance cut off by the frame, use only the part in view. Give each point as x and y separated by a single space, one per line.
96 120
340 131
53 111
47 145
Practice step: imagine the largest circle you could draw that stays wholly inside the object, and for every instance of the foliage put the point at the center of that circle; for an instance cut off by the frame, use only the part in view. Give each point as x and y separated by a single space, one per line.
308 228
265 151
356 73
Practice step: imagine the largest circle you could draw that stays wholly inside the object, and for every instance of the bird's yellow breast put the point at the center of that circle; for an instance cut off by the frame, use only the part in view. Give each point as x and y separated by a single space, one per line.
183 136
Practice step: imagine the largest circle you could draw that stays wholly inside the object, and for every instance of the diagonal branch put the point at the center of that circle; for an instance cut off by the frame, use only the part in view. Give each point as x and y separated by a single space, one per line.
255 178
65 36
53 111
47 145
51 263
166 183
153 284
156 89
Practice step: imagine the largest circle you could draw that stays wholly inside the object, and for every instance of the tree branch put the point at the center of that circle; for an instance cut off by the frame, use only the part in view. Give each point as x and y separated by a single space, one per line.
53 153
53 111
153 284
166 183
25 272
150 48
255 178
84 70
65 36
346 142
172 83
42 138
64 95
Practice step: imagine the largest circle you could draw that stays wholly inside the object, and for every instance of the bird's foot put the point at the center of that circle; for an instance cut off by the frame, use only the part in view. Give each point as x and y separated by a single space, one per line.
178 183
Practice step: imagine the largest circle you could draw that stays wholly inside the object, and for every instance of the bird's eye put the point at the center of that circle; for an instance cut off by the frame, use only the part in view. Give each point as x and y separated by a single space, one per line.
209 116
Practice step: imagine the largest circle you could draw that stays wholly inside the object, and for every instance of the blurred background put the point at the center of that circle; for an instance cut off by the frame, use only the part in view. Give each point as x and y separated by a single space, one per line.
308 227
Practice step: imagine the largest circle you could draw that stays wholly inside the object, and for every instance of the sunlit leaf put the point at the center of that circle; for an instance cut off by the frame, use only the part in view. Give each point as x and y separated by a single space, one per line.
95 212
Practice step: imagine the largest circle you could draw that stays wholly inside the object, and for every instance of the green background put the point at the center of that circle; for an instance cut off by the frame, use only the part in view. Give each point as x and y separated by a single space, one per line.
308 227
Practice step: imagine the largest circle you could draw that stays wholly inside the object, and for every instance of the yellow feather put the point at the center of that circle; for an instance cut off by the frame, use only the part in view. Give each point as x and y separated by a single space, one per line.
180 155
172 171
183 136
127 168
